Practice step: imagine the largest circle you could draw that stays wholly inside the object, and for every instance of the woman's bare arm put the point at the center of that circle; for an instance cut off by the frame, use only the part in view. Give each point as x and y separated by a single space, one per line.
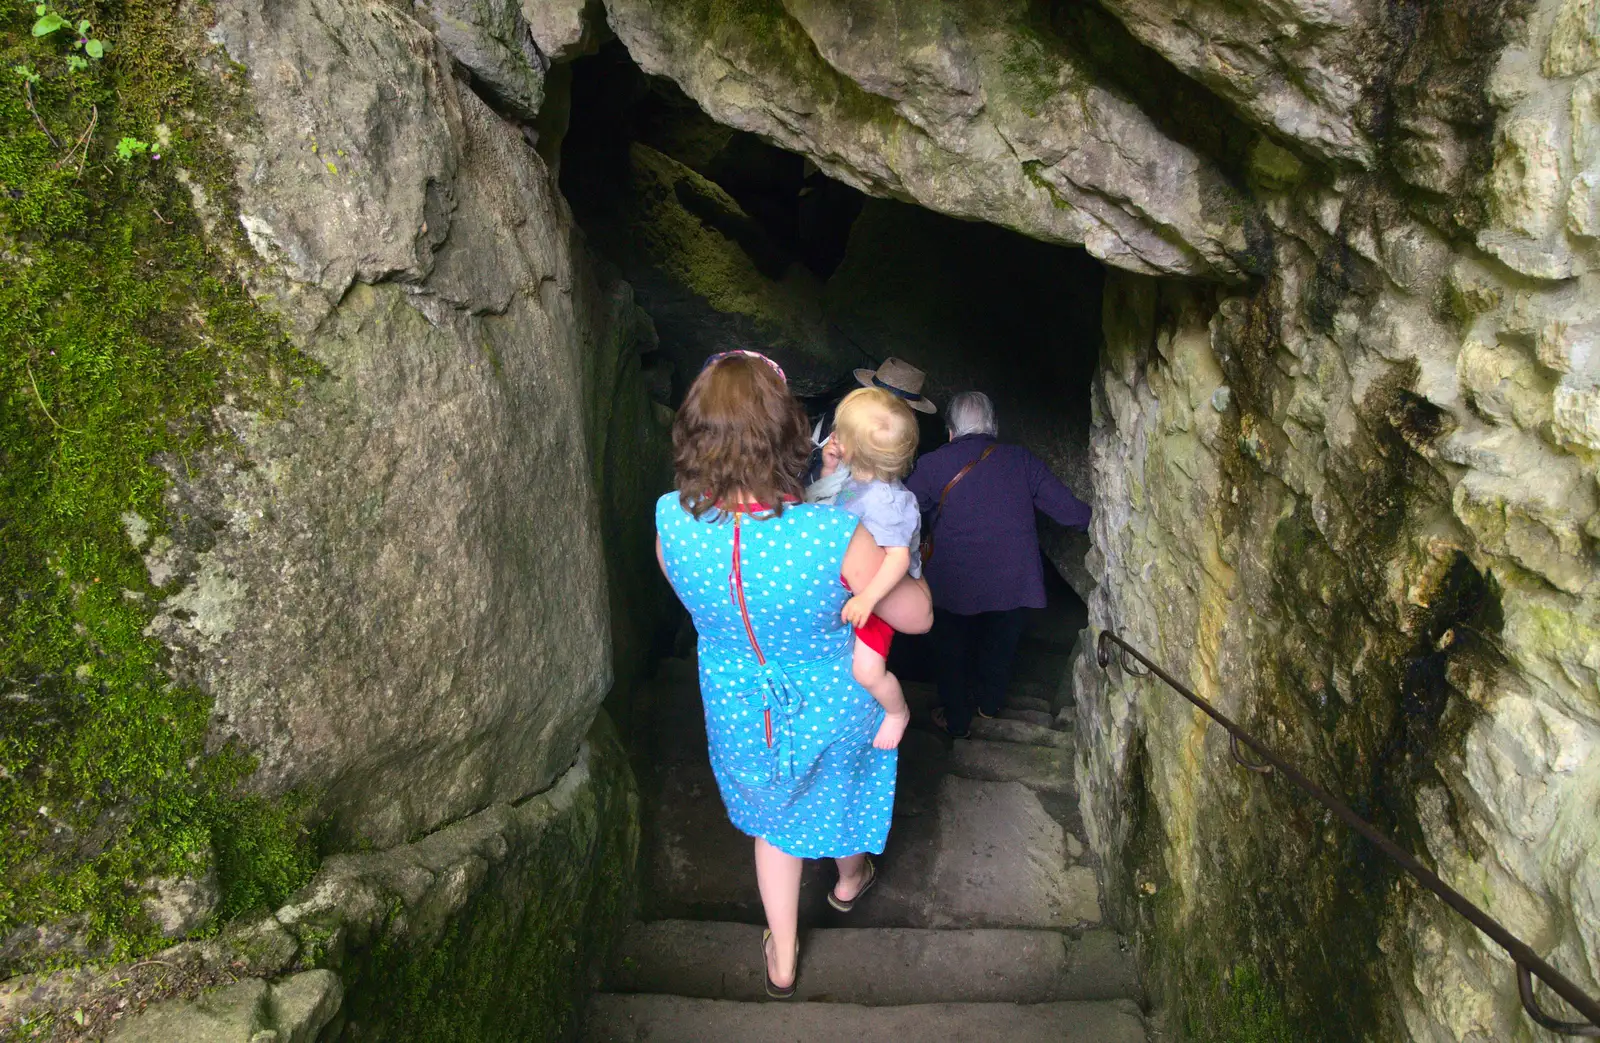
908 607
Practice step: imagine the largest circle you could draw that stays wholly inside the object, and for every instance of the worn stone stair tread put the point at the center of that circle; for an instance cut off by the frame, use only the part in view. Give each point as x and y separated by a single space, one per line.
879 966
623 1018
1033 704
1005 729
1043 720
1047 769
979 854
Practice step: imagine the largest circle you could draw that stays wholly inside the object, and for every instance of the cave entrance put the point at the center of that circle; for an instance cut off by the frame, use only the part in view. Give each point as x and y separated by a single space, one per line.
730 242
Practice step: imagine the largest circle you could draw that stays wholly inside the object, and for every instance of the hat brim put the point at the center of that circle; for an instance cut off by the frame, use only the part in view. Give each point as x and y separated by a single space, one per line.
921 403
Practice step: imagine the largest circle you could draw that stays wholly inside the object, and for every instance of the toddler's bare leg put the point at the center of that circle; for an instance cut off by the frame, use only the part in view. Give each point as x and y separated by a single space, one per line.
872 673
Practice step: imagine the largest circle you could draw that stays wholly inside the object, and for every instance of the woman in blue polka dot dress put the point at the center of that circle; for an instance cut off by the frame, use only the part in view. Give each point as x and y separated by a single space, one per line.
790 730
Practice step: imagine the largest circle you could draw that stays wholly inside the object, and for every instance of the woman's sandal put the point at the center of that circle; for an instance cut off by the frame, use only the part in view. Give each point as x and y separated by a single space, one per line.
944 724
843 906
773 990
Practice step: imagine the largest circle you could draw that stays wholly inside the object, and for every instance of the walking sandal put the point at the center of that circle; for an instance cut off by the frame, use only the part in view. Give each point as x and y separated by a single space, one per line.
773 990
943 722
843 906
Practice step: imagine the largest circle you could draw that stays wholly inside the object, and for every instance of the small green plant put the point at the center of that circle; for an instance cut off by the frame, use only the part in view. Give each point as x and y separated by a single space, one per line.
51 21
127 148
27 73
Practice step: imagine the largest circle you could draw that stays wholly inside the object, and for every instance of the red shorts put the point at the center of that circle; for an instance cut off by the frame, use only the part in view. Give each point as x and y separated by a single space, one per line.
876 635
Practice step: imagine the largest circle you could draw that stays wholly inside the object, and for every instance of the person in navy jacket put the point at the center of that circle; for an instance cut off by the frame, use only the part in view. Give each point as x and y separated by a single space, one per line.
986 566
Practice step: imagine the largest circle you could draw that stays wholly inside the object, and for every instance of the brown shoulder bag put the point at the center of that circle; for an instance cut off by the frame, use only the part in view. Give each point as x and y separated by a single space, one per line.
927 540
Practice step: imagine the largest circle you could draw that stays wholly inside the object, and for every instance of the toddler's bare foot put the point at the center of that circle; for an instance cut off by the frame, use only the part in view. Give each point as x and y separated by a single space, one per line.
891 730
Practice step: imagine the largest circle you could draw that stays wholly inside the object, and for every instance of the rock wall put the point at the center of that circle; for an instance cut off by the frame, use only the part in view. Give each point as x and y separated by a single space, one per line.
961 107
1352 500
1356 509
397 594
1344 462
404 597
494 927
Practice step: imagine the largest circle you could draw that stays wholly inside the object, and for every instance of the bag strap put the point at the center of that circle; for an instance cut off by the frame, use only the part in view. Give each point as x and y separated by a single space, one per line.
951 484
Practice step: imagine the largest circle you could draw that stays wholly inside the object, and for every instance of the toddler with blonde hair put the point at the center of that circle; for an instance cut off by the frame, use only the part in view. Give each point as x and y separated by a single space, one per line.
875 438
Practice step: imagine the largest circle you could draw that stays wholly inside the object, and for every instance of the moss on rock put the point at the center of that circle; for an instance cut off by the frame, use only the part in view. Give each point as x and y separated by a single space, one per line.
514 924
124 329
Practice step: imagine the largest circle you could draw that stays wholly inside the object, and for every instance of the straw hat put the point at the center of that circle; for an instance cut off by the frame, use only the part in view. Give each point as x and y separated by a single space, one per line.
901 379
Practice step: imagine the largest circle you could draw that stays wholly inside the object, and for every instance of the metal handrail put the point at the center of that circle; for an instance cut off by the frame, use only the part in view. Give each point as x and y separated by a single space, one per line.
1527 961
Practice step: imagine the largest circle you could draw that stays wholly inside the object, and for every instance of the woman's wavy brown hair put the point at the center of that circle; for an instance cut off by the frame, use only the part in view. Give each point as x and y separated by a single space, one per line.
739 431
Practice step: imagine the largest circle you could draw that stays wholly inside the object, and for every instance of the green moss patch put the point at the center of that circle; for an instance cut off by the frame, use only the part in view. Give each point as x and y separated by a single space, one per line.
517 960
1237 1007
123 329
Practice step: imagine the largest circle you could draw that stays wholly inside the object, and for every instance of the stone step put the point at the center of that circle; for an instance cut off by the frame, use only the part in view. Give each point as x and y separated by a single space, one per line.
922 698
1052 695
962 852
878 967
620 1018
1005 729
1039 717
1047 769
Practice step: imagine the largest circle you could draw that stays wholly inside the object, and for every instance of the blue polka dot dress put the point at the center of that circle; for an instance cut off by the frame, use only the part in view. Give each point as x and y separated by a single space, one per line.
789 728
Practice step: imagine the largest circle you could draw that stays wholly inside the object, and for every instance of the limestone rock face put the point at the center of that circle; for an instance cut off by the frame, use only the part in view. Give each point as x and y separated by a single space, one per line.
294 1010
565 29
492 39
395 592
711 279
1355 509
1297 68
492 927
956 106
1355 504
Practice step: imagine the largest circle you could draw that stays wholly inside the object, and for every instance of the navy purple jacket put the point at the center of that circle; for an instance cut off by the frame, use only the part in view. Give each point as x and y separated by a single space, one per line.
986 546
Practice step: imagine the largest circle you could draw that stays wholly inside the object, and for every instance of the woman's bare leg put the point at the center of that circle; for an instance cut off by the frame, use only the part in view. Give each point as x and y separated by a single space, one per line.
852 874
778 877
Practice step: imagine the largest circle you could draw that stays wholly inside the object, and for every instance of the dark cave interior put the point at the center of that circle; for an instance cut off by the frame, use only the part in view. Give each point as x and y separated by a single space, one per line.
731 242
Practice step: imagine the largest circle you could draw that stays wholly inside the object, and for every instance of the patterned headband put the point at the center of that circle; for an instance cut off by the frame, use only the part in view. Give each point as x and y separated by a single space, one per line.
713 360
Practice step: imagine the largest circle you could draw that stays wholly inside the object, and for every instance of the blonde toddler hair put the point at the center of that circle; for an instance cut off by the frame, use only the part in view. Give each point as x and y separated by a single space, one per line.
877 432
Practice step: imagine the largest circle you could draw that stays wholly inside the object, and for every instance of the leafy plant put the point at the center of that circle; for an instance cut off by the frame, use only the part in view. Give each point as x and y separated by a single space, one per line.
52 21
49 21
127 148
27 72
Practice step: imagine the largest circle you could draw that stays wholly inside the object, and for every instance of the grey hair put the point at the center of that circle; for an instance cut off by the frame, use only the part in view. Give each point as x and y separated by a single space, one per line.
971 413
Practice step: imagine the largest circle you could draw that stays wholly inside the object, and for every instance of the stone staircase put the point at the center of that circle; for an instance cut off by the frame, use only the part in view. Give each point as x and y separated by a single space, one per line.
984 923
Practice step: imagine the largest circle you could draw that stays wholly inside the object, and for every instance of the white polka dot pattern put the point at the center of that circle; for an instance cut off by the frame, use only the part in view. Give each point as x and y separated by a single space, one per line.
818 789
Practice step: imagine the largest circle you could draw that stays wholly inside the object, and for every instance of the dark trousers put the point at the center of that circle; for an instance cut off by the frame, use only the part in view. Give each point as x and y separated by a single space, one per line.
974 656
